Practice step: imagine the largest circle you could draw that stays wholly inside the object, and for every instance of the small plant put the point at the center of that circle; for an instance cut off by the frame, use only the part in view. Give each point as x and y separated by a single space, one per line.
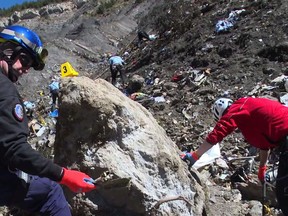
100 9
105 6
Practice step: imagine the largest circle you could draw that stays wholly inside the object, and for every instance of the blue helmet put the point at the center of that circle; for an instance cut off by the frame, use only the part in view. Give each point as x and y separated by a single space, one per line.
29 41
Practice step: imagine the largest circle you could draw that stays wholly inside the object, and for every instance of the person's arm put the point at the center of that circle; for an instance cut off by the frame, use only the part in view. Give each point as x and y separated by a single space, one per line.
17 153
111 61
193 156
262 166
205 146
221 130
263 157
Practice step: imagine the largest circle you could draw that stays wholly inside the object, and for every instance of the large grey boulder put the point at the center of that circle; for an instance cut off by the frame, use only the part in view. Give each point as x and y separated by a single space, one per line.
100 129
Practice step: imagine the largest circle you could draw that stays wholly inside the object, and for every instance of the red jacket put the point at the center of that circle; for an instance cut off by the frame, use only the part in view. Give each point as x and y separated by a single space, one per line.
263 122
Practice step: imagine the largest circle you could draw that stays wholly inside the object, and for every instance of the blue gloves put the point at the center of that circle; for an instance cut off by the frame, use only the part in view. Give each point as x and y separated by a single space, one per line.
192 157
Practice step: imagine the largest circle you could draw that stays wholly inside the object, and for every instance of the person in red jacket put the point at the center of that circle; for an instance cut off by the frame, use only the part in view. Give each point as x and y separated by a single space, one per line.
28 180
263 123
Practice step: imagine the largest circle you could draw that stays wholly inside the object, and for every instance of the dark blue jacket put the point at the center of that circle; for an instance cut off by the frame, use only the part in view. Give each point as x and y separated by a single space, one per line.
15 152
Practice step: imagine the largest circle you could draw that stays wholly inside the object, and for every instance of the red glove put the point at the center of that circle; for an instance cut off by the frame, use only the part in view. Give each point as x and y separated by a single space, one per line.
261 173
77 181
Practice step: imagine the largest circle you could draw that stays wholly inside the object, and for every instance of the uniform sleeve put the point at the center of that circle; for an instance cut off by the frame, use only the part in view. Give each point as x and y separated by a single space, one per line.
15 152
224 127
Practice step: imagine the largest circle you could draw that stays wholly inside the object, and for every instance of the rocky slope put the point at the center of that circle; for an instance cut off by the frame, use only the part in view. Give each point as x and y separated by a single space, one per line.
203 64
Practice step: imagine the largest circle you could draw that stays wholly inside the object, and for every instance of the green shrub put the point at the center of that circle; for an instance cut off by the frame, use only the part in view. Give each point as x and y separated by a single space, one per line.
104 6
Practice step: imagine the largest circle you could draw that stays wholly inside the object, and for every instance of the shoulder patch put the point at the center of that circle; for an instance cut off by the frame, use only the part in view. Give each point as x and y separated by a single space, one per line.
18 112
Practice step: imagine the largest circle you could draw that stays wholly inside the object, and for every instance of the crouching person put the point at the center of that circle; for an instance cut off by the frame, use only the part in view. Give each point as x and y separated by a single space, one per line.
264 124
27 179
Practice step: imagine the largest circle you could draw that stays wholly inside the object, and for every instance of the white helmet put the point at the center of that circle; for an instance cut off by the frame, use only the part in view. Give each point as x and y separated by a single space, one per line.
220 106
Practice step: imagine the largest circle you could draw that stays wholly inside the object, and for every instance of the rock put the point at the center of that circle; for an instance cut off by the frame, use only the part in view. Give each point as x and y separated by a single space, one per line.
79 3
169 86
56 8
255 208
253 191
15 17
268 70
135 84
117 134
29 14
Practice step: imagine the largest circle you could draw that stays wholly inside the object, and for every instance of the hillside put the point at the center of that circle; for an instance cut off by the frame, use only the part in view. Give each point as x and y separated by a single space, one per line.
252 53
204 64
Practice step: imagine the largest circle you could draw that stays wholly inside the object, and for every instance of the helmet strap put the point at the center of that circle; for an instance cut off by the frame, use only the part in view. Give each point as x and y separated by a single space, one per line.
16 51
10 61
11 74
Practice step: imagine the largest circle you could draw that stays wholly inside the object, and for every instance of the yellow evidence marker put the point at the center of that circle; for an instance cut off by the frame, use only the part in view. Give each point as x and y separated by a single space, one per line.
67 70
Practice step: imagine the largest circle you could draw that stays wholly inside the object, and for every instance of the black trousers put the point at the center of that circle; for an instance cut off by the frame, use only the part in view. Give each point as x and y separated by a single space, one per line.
142 34
55 96
114 71
282 178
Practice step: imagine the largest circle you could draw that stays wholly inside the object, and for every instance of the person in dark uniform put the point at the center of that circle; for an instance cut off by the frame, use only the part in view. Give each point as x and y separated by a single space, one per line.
141 36
27 179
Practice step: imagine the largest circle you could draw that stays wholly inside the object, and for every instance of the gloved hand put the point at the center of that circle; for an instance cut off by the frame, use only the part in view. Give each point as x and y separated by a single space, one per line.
77 181
192 157
261 173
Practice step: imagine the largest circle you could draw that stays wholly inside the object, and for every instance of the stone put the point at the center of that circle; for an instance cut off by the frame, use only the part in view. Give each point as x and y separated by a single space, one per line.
101 129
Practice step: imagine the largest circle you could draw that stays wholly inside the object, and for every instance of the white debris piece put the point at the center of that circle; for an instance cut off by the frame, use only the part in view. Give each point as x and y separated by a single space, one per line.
284 99
41 132
208 157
